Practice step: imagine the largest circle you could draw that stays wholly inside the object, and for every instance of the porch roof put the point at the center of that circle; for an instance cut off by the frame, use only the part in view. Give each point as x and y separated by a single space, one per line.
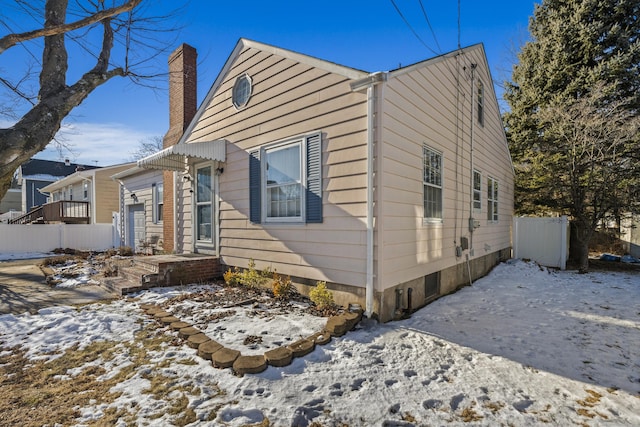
177 156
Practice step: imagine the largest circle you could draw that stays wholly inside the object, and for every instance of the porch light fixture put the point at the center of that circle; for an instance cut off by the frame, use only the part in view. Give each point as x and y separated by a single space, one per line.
134 197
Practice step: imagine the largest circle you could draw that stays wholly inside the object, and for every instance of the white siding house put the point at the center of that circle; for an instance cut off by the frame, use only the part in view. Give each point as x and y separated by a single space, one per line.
141 209
393 187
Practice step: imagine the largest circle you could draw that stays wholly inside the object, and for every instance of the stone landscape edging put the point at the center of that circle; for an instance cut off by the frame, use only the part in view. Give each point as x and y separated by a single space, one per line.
224 357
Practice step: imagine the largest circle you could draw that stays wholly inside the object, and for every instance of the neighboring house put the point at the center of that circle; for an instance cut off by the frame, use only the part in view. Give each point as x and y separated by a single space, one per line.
393 187
141 211
12 201
35 174
93 189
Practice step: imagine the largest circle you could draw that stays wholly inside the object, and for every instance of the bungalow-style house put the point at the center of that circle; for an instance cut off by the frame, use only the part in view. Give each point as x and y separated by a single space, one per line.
35 174
393 187
141 203
86 196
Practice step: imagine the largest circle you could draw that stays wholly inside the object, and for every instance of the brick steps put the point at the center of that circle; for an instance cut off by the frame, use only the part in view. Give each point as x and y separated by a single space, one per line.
139 273
223 357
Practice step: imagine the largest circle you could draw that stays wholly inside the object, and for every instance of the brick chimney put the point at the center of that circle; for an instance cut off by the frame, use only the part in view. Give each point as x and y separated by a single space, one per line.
182 108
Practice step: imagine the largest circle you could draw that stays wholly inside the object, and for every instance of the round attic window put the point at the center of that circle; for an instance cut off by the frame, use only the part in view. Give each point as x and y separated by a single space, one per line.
242 91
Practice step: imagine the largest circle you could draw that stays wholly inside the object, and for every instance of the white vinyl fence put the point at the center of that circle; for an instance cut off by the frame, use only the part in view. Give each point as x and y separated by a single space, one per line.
46 237
543 240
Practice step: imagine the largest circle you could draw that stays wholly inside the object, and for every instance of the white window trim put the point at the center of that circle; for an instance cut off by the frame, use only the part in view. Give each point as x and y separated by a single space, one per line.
241 78
433 220
300 141
490 200
199 242
480 104
477 191
156 201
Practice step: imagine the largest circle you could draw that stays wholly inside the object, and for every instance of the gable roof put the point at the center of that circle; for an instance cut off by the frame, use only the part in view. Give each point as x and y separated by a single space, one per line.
82 175
37 167
245 44
351 73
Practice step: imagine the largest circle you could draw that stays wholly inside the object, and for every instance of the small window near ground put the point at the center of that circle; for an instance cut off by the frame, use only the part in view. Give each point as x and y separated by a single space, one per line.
431 285
492 199
477 190
432 182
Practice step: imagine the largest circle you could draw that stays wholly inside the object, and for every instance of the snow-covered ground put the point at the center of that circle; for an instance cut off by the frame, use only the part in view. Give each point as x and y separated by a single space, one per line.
10 256
522 346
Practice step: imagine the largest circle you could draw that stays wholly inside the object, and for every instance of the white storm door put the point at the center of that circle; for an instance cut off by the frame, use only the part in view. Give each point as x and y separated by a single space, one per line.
205 209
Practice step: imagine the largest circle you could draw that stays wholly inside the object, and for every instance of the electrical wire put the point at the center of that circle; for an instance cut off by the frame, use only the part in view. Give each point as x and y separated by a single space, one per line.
433 33
411 28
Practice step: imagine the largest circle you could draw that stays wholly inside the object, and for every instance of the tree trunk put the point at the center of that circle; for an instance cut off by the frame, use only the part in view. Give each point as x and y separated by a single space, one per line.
581 234
56 99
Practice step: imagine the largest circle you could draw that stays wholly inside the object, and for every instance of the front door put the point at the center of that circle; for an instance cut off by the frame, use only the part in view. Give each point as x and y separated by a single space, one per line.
135 226
205 210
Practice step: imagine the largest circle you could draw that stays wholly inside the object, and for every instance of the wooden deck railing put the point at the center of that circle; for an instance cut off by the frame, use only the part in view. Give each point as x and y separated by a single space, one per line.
67 211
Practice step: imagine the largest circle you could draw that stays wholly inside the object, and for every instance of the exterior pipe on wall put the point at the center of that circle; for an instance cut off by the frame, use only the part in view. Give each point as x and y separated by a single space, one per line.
369 83
370 135
175 212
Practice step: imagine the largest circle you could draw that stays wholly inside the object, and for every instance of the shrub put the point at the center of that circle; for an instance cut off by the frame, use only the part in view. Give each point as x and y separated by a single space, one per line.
110 269
321 296
56 260
282 286
254 278
125 251
231 277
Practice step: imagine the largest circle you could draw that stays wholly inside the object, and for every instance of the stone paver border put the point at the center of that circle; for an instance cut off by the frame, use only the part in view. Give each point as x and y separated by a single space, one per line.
223 357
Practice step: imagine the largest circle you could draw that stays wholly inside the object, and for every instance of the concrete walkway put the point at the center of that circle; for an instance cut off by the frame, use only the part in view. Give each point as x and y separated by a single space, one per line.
23 288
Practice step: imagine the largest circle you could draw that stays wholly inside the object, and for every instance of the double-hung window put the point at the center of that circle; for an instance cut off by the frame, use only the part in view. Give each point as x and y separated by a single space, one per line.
480 101
477 190
492 200
285 182
204 204
432 182
157 202
283 187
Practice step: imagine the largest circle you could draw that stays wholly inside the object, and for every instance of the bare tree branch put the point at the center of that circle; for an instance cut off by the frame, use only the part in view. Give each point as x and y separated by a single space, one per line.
11 40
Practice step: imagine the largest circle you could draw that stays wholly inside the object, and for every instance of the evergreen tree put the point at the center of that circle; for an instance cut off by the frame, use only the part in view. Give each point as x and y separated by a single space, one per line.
573 125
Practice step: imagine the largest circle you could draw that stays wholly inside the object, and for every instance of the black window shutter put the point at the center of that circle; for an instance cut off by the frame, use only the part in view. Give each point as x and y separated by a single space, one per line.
314 179
255 173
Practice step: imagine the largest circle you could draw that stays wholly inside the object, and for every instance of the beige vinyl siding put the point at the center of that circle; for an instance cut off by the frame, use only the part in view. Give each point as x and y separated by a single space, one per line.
420 109
141 185
184 212
106 200
291 99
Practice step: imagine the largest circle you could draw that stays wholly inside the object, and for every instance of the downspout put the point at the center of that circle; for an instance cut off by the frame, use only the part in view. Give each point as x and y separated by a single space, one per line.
471 219
175 212
369 83
369 293
473 100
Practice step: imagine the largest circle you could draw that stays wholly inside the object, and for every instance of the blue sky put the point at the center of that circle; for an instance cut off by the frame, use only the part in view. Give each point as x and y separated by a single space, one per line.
368 35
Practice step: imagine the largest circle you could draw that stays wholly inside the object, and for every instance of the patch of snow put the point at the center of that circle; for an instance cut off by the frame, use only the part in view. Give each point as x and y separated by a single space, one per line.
523 346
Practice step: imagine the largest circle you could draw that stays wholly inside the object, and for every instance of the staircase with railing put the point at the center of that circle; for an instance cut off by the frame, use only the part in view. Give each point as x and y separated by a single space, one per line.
64 211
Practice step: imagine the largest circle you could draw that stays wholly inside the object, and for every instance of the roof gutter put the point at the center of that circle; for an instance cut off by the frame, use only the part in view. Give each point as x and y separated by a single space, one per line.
369 84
